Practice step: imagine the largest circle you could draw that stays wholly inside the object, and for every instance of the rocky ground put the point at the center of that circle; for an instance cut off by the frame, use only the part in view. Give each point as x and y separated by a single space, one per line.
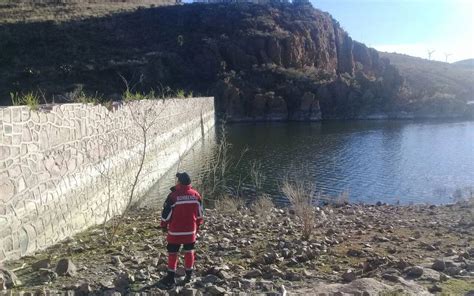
354 250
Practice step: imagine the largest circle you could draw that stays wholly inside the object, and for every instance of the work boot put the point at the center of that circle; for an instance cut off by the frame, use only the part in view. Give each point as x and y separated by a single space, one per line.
187 279
167 282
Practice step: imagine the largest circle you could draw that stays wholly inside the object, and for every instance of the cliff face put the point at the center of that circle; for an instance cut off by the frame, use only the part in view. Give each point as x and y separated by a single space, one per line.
261 62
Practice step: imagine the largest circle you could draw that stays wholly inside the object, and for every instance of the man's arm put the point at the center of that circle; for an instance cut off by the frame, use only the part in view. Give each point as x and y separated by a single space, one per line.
167 212
200 215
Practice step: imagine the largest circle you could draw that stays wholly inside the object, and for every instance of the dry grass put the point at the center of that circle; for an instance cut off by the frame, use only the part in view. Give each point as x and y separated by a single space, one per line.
302 198
74 10
229 204
262 206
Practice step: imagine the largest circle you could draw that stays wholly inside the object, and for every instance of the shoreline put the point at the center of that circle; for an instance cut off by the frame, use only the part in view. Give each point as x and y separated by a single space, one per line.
412 249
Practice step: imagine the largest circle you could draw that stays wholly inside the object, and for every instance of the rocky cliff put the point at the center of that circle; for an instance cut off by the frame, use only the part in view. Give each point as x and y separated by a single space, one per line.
261 62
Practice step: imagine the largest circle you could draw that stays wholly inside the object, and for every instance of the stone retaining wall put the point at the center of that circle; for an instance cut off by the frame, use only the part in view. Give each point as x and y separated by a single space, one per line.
66 167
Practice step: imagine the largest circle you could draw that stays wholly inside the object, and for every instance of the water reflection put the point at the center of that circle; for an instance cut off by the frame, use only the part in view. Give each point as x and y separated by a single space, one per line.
374 161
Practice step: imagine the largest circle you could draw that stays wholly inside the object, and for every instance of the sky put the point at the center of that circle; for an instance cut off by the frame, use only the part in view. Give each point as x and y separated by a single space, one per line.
408 26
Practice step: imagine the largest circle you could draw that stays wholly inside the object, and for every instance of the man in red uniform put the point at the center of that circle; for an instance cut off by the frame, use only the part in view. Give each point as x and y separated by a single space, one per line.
182 214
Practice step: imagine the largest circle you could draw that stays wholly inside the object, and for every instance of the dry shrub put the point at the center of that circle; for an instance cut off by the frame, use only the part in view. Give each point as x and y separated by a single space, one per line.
262 206
229 204
342 199
301 196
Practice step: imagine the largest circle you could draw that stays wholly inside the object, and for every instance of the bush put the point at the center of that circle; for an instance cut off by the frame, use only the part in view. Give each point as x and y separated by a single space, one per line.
229 204
262 205
301 196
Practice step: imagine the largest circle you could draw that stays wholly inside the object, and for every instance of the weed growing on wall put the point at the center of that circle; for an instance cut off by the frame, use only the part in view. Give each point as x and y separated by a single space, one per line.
30 99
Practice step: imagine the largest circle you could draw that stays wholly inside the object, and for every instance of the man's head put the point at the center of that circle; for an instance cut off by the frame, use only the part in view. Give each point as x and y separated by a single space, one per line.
183 178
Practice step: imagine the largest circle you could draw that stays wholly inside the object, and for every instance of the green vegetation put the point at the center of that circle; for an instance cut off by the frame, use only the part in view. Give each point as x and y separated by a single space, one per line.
456 287
30 99
432 80
180 94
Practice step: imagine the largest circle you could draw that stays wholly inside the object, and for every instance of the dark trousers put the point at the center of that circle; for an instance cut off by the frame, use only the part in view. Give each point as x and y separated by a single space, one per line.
174 248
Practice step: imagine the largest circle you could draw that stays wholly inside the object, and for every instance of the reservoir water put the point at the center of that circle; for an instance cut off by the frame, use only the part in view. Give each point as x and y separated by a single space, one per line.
389 161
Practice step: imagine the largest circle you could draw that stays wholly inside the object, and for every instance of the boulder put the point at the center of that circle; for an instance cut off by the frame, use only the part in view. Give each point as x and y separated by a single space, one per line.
439 265
65 267
253 274
413 271
349 276
45 263
215 290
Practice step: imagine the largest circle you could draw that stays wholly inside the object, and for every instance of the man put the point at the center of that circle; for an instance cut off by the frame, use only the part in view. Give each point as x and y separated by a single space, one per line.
182 214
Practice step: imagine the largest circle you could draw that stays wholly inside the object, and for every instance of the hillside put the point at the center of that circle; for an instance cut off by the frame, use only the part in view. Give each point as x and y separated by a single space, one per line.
434 85
261 62
67 10
469 63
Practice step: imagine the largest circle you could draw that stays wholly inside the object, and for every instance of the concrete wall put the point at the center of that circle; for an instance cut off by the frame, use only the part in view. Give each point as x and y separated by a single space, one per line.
70 166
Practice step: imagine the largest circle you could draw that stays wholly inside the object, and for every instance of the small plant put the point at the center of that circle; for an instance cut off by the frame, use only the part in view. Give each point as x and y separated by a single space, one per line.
301 196
256 176
342 199
262 206
181 94
129 96
190 94
229 204
30 99
85 99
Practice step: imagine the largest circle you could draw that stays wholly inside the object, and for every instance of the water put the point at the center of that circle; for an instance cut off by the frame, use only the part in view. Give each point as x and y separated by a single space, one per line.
388 161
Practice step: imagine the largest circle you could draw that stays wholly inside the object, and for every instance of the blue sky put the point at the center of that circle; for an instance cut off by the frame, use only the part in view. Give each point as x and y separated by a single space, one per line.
408 26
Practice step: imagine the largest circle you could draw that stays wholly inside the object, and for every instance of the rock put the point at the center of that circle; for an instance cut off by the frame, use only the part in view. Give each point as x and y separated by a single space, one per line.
253 274
85 288
247 284
349 276
188 291
293 276
224 275
430 275
450 252
47 275
355 253
439 265
214 290
117 262
453 270
414 271
123 281
435 289
45 263
65 267
391 277
9 279
210 278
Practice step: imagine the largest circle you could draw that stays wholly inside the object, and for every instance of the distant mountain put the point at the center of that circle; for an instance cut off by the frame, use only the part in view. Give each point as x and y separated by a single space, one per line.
469 63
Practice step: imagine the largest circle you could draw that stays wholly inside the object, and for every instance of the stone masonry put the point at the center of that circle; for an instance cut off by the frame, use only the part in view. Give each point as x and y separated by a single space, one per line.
66 167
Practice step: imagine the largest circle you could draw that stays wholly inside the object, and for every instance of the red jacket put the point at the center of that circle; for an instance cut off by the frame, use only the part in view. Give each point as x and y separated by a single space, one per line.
182 214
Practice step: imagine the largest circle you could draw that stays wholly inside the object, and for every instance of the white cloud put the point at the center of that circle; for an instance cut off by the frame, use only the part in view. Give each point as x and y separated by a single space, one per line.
458 51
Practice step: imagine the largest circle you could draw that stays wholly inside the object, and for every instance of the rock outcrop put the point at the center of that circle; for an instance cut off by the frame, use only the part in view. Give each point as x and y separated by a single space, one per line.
261 62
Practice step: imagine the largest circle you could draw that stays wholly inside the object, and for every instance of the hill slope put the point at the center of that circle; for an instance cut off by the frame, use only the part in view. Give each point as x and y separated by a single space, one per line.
434 87
469 63
262 62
